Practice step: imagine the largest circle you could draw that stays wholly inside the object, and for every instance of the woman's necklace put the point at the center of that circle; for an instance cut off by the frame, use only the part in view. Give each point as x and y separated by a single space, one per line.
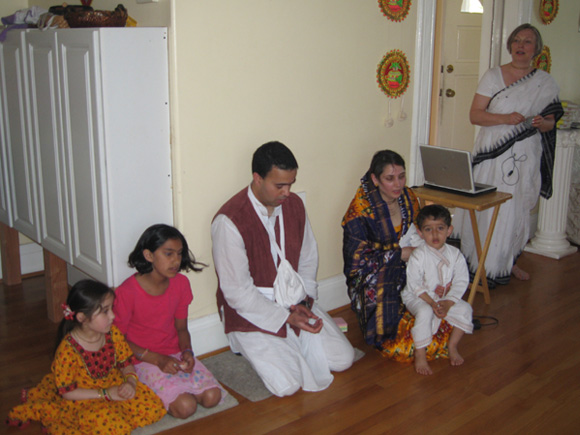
525 68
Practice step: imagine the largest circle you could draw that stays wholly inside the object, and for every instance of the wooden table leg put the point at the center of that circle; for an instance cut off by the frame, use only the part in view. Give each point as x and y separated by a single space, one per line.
481 256
480 272
10 252
56 283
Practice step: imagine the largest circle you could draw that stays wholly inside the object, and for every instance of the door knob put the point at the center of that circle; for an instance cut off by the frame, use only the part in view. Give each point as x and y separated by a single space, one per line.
449 68
449 93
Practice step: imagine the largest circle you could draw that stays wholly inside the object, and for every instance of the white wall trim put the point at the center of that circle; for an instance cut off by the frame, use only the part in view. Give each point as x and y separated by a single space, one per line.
423 85
207 333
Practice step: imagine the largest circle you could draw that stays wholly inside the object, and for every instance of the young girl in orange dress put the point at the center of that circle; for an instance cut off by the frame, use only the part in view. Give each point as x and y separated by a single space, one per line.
93 387
151 309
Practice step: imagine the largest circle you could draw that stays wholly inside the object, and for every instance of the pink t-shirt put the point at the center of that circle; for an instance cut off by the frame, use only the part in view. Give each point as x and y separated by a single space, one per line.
149 321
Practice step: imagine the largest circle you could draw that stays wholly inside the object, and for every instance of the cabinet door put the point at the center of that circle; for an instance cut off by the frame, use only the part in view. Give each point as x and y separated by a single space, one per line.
5 206
46 139
82 137
19 153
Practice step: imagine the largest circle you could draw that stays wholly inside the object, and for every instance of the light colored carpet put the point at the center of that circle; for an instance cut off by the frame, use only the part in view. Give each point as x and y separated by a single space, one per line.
168 421
237 373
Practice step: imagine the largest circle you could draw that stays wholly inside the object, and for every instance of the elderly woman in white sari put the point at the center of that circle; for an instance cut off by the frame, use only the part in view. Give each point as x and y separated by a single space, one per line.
517 107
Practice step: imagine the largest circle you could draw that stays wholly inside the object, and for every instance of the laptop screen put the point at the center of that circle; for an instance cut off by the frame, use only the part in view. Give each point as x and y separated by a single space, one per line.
446 167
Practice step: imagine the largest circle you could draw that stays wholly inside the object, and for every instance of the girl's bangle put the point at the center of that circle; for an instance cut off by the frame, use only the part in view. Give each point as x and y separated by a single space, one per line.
105 395
132 375
188 350
140 356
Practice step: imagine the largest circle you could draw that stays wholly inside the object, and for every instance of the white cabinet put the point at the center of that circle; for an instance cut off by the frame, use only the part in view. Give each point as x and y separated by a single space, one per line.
98 124
20 206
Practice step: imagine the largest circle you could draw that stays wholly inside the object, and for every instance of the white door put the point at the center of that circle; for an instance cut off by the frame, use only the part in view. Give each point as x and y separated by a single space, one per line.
79 69
46 137
19 152
460 75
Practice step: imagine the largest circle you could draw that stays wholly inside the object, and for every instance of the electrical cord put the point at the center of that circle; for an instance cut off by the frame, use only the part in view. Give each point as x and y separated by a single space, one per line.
478 324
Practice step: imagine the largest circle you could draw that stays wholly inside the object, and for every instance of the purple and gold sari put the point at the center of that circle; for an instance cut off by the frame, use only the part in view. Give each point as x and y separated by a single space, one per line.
375 273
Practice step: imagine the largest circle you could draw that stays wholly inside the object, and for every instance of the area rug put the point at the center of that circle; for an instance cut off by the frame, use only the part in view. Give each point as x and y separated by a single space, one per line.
237 373
169 422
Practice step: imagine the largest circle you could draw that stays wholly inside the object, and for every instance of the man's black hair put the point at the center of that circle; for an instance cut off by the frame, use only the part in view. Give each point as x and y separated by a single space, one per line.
273 154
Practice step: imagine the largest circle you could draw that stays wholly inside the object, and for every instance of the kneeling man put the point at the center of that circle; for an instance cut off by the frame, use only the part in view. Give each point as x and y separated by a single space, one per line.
266 259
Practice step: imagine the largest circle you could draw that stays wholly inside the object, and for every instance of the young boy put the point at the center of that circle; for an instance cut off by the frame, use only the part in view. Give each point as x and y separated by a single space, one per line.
437 277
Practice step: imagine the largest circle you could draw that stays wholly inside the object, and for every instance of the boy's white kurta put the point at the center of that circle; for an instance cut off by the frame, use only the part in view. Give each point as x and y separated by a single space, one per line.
284 364
427 269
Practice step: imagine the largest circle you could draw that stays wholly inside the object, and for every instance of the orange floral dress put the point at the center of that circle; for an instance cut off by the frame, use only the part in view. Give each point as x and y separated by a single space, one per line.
402 347
74 367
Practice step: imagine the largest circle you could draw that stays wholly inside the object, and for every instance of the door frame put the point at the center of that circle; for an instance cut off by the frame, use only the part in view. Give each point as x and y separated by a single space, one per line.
505 16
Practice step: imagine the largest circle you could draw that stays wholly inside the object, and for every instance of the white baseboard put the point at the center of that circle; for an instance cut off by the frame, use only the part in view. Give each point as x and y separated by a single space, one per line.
207 333
31 259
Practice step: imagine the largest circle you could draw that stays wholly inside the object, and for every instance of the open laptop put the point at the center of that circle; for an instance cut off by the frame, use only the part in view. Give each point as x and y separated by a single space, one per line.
451 170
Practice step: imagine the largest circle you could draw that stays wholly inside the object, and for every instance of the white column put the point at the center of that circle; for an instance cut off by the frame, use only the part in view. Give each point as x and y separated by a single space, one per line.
550 239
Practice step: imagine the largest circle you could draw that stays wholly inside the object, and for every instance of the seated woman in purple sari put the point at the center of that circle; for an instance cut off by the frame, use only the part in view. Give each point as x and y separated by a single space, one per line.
381 212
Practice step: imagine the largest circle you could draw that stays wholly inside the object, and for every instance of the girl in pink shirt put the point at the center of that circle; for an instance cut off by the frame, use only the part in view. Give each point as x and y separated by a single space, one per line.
151 309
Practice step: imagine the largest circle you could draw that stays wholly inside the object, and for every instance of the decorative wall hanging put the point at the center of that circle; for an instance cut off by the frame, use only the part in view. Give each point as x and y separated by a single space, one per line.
544 59
395 10
393 73
393 76
548 10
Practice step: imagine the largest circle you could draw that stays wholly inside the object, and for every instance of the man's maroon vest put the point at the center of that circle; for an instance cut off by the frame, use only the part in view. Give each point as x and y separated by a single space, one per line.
262 269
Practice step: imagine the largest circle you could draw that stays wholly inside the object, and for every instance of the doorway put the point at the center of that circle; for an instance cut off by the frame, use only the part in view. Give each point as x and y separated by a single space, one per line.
456 61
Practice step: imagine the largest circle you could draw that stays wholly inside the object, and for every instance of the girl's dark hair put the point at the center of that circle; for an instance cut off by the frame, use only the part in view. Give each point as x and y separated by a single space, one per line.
381 159
155 236
85 297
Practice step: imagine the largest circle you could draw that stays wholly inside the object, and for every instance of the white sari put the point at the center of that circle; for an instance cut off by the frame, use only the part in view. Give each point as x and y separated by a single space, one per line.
518 160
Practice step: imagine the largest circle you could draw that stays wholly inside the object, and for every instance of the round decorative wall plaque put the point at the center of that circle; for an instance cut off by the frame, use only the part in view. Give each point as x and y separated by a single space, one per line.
544 59
548 10
393 73
395 10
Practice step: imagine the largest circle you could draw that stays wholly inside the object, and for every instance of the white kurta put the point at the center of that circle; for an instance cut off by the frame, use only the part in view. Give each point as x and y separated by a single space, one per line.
284 364
515 171
426 270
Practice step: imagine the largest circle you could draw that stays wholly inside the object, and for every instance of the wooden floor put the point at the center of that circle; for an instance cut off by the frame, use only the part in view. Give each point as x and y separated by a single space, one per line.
522 376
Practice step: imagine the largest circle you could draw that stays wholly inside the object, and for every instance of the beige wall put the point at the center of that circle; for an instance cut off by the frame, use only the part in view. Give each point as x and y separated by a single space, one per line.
8 7
563 38
301 72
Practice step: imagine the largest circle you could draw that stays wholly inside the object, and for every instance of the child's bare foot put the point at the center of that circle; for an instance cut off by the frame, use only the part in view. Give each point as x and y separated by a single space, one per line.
455 358
421 364
520 274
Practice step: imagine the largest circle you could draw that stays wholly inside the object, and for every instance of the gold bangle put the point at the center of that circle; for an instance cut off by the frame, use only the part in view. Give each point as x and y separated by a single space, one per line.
132 375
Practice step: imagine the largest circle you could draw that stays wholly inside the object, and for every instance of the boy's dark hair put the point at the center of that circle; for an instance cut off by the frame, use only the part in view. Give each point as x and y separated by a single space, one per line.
273 154
151 239
383 158
435 212
85 297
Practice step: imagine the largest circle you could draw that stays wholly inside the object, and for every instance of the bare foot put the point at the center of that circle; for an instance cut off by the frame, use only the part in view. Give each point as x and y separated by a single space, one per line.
520 274
421 364
454 358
